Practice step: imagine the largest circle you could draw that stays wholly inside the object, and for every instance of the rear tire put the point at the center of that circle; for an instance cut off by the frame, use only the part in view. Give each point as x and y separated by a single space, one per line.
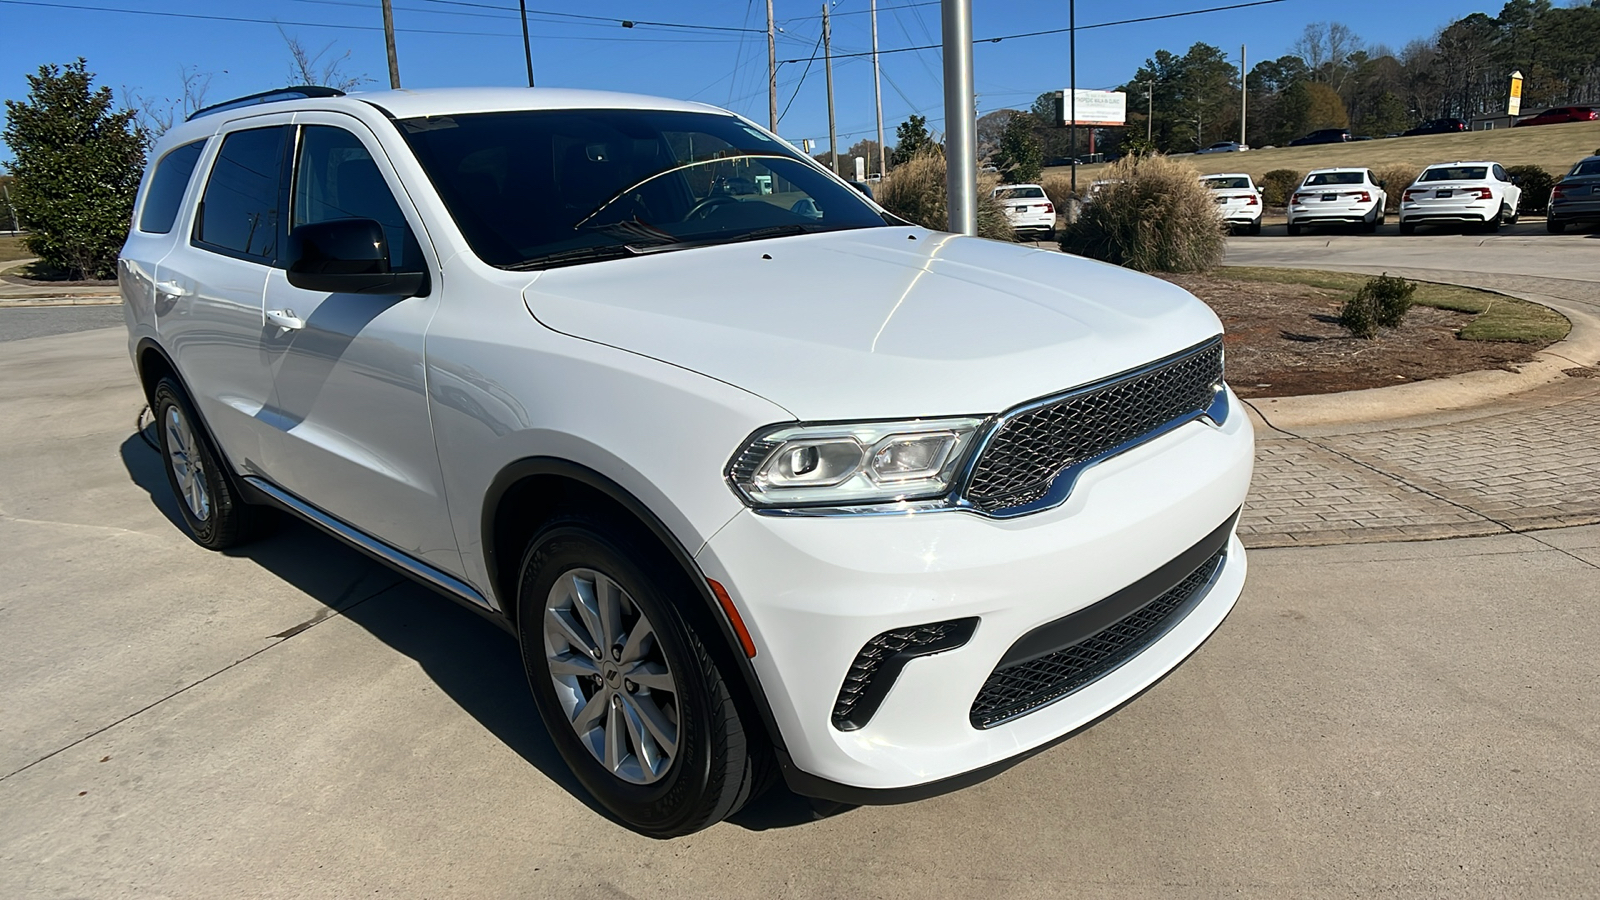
1408 228
639 711
1554 225
1294 230
1491 225
216 516
1255 227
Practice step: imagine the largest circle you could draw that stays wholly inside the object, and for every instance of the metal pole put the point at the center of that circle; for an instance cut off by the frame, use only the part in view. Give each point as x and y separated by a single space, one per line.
877 92
1149 112
960 130
1244 92
772 73
388 41
827 53
1072 75
527 48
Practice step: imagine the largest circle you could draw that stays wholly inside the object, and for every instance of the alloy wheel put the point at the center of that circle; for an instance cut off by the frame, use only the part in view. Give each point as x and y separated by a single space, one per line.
610 676
183 454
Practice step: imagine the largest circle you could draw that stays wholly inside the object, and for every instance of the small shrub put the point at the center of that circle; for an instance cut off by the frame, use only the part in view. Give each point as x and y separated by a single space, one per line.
1380 303
1536 184
1277 185
915 191
1396 178
1154 216
1058 188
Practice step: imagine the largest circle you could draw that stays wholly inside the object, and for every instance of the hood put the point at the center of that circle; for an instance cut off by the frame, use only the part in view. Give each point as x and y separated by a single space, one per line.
877 323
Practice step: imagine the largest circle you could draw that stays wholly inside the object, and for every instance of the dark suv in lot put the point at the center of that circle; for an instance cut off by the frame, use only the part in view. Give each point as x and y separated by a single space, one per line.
1324 136
1437 126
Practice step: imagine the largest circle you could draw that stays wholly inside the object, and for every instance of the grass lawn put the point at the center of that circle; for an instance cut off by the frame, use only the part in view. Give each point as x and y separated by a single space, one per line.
1555 147
1497 317
11 248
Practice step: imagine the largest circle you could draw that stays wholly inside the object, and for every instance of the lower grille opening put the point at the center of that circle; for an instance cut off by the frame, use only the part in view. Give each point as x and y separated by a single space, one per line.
1015 689
879 663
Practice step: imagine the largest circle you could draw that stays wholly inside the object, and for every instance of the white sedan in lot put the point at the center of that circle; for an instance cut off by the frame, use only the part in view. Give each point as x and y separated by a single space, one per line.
1238 199
1338 197
1028 209
1479 194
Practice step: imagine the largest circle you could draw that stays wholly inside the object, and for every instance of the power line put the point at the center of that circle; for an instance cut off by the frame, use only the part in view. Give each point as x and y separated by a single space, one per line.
343 27
801 83
1028 34
625 23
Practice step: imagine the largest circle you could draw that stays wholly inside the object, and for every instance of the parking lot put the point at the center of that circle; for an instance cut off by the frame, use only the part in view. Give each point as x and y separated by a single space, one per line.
1382 719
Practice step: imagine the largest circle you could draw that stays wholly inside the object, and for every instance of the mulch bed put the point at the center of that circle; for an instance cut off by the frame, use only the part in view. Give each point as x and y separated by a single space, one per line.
1284 340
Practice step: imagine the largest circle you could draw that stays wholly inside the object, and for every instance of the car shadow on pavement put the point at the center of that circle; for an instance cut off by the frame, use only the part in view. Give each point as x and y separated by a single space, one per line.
473 661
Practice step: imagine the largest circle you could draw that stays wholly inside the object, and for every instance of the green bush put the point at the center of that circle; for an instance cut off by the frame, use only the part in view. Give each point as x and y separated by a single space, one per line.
76 170
1381 302
1396 178
1154 216
1536 184
915 191
1277 185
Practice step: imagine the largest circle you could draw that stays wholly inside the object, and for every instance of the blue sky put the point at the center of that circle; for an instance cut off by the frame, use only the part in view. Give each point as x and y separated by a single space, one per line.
727 68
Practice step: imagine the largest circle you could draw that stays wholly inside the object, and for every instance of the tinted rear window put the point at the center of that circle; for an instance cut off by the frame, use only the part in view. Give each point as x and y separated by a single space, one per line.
167 187
1455 173
240 210
1321 178
1587 167
1026 193
1227 184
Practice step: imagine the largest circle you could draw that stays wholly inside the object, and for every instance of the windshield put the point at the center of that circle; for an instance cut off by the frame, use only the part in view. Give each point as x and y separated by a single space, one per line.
1455 173
1587 167
1227 184
1020 193
553 187
1321 178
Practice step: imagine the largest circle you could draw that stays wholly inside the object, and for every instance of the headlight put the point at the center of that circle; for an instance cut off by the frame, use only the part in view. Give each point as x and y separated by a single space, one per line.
851 463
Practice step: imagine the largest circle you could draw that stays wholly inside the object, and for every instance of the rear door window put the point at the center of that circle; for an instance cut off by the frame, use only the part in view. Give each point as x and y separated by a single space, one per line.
167 186
240 212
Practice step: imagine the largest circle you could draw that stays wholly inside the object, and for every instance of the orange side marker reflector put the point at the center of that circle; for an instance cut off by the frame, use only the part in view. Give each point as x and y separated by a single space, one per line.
732 613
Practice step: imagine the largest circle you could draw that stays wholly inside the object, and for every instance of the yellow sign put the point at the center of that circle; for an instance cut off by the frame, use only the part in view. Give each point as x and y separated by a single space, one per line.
1514 107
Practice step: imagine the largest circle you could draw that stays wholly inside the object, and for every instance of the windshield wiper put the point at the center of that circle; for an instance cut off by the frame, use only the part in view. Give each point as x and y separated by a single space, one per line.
576 255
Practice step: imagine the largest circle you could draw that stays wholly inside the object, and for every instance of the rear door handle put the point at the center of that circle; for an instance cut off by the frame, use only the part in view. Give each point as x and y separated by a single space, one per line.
285 319
172 289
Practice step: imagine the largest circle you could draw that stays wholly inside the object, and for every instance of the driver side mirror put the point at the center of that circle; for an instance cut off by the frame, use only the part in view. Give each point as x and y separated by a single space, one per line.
347 256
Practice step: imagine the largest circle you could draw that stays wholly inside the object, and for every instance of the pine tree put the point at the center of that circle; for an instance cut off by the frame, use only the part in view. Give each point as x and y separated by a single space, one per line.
76 170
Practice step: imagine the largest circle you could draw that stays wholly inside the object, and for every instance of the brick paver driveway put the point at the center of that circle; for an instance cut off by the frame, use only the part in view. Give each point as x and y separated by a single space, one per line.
1529 462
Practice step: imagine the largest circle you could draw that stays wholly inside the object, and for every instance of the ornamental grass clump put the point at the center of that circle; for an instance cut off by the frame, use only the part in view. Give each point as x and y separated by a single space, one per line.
1380 303
1154 215
915 191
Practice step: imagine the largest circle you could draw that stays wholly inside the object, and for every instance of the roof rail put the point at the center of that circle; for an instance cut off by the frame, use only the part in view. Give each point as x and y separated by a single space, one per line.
298 92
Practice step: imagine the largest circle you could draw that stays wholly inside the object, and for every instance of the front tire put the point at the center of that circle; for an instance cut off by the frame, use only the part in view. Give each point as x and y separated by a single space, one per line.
632 698
216 516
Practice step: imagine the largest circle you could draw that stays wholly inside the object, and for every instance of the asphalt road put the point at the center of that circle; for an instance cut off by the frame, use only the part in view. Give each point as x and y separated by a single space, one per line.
290 720
22 323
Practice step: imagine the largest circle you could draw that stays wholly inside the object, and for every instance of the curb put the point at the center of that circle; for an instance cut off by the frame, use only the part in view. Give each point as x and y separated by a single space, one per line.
60 300
1580 348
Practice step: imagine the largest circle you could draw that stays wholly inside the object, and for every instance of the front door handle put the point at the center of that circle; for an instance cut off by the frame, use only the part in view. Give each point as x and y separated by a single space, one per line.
285 319
172 289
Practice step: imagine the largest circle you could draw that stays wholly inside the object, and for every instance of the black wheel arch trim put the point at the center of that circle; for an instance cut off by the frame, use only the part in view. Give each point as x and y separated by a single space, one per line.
549 465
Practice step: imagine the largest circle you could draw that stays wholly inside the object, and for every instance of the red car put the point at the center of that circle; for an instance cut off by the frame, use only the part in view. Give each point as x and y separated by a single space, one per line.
1560 114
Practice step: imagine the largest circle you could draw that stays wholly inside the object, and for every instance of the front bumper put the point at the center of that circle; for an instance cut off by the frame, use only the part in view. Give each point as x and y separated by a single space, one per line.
815 590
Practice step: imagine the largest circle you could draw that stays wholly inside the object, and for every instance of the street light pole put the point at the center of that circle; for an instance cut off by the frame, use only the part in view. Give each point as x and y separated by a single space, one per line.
877 91
1072 102
960 131
1244 93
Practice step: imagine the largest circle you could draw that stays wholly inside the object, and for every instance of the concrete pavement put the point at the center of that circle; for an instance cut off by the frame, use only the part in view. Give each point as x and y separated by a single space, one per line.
290 720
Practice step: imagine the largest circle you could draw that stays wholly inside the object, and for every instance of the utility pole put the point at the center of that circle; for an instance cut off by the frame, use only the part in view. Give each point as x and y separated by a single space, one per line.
527 48
960 128
827 53
1244 92
388 41
772 73
877 92
1150 111
1072 75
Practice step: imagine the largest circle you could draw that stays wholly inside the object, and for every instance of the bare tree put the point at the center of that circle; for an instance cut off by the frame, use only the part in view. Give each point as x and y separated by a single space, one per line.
157 116
307 68
1327 47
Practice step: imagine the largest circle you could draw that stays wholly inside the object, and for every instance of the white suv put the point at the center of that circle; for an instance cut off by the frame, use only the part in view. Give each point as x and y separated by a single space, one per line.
762 479
1028 209
1479 194
1238 199
1338 197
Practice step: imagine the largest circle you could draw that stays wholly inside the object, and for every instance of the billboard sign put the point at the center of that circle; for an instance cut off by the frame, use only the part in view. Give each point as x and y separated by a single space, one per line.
1095 108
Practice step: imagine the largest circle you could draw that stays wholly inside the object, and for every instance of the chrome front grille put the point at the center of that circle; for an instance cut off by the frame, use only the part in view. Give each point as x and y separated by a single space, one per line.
1035 447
